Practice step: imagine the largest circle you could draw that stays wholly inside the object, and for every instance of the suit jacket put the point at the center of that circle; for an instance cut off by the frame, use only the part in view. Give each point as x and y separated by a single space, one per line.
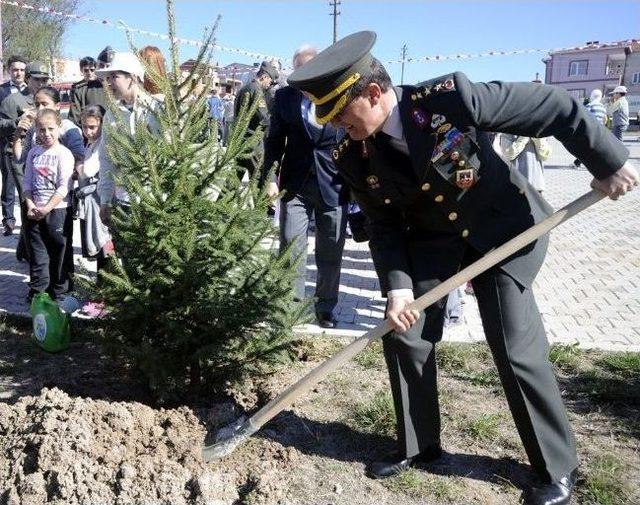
301 151
5 90
421 221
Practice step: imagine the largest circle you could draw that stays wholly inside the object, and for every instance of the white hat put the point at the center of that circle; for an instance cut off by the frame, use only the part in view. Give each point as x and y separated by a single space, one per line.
123 62
619 89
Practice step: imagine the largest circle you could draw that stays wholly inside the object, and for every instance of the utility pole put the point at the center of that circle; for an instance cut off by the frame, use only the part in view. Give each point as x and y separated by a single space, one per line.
335 15
404 55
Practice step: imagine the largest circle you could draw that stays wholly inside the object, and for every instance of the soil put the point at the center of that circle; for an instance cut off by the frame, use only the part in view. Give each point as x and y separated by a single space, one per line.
78 429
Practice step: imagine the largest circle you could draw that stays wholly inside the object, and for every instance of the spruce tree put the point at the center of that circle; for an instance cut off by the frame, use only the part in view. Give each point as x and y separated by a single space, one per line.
198 295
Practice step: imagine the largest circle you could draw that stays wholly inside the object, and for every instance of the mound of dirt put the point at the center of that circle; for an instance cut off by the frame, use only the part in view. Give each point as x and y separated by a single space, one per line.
55 449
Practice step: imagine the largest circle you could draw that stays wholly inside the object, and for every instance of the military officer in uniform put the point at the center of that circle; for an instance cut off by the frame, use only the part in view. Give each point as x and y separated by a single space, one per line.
266 77
420 164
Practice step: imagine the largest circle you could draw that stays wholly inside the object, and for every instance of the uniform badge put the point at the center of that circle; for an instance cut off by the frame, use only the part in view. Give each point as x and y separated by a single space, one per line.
448 85
465 178
420 118
437 120
444 128
336 154
372 181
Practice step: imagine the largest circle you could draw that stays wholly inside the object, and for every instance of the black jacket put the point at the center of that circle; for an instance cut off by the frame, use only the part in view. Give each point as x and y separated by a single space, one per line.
301 151
85 93
421 222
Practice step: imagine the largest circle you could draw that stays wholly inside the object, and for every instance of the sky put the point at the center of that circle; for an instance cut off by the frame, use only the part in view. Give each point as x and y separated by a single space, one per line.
428 28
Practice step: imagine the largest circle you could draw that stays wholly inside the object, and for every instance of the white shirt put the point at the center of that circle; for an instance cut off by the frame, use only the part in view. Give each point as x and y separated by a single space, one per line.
393 127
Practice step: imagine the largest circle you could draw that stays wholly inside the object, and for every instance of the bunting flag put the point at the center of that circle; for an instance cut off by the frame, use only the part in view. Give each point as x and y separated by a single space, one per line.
259 56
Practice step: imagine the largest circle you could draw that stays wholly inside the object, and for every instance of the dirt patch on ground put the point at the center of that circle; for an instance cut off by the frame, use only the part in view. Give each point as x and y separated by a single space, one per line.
94 435
58 449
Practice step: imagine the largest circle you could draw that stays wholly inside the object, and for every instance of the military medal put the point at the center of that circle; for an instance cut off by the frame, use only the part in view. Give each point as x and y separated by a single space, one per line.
465 178
448 84
419 117
444 128
437 120
372 181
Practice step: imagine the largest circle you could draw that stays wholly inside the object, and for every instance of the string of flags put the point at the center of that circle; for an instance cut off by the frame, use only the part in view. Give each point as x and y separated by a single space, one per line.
122 26
259 56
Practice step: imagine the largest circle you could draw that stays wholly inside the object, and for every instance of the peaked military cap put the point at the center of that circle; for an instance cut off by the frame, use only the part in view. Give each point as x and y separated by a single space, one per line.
327 77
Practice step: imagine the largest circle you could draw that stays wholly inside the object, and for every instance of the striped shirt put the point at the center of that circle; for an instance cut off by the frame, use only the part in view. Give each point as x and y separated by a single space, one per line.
598 111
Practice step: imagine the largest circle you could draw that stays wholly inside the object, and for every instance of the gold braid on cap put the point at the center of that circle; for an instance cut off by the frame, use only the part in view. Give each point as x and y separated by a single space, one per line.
340 103
346 84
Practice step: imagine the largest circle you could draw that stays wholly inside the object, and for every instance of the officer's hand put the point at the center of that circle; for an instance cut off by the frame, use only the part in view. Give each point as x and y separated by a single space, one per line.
616 185
399 316
272 190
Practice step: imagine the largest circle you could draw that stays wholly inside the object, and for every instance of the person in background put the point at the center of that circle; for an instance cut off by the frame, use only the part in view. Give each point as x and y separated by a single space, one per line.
525 155
254 91
105 58
70 137
153 58
95 237
87 91
13 109
597 109
124 76
618 110
216 111
301 150
228 101
16 84
47 193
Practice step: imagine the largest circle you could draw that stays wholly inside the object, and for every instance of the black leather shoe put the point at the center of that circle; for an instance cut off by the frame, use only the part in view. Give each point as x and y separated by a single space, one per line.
8 230
384 469
326 320
556 493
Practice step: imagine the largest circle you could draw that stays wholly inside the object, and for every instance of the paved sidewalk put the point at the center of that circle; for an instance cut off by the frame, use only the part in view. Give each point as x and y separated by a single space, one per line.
588 289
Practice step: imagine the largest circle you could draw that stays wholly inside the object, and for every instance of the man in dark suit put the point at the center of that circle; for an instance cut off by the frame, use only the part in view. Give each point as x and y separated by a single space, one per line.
420 163
302 150
16 84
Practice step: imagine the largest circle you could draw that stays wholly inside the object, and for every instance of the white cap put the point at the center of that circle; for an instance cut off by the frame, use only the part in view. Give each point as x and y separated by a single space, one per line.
123 62
619 89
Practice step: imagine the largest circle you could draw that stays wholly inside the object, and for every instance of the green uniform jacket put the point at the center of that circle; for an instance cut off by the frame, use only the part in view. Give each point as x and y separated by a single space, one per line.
85 93
250 92
420 220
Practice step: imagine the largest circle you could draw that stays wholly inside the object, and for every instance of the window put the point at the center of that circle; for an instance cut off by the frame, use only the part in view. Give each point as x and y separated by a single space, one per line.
578 67
635 79
579 94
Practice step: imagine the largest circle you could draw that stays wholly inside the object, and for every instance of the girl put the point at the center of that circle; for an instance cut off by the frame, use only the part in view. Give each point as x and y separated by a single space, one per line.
47 186
96 240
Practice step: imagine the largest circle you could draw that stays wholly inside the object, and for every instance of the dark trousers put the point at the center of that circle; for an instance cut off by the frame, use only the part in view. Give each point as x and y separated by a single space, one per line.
516 336
331 223
47 243
7 197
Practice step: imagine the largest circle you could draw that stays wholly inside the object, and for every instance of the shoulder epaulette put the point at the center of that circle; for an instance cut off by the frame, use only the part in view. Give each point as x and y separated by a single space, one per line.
342 146
439 85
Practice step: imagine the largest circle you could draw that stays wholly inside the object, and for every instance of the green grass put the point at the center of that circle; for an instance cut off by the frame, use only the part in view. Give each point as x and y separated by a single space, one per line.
371 357
605 387
421 485
376 415
454 357
605 482
483 428
565 357
623 363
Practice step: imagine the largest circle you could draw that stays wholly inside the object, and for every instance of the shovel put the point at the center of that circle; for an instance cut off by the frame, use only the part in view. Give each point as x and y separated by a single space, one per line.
230 437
